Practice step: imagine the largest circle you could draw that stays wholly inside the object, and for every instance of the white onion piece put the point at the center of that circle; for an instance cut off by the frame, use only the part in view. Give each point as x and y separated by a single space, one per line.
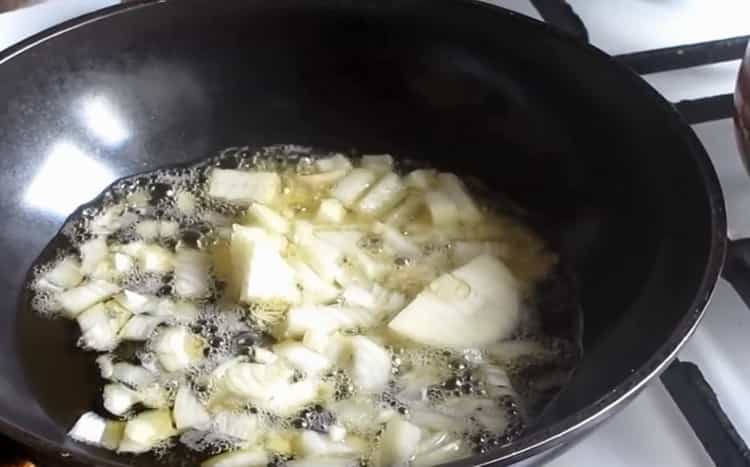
148 229
146 430
267 218
106 365
375 297
140 327
134 376
398 444
397 243
349 189
77 299
439 449
244 458
244 187
406 211
119 399
188 412
92 429
236 425
474 305
93 252
308 361
192 271
422 179
314 289
156 258
186 202
177 348
327 319
443 210
310 444
454 188
135 302
330 211
66 274
379 163
384 194
322 180
100 325
370 366
335 162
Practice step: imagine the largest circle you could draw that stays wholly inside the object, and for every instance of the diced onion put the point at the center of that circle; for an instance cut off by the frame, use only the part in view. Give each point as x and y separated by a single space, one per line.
77 299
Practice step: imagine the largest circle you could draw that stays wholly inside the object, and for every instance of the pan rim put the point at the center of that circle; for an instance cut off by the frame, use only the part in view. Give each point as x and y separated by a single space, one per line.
551 435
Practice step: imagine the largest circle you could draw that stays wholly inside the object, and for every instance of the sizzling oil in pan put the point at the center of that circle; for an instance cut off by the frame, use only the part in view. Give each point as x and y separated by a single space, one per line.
67 382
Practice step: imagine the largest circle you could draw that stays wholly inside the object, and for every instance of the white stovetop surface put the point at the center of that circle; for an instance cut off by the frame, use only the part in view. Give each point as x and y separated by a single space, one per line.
650 431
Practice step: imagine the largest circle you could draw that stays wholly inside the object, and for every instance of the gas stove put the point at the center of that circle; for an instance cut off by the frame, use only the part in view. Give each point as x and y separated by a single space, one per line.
696 415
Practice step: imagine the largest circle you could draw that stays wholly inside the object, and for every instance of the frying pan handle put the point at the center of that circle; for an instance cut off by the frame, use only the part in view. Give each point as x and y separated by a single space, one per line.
737 268
700 406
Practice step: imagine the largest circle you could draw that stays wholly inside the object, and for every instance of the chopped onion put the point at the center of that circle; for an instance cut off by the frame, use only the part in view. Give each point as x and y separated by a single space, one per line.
245 458
330 211
92 429
385 194
244 187
370 366
66 274
177 348
349 189
396 242
453 187
100 325
443 210
322 180
106 365
192 273
335 162
134 376
93 252
269 386
122 263
237 425
155 258
474 305
146 430
376 298
422 179
119 399
186 202
135 302
75 300
327 319
188 412
267 218
314 289
398 444
406 211
308 361
379 163
439 449
311 444
148 229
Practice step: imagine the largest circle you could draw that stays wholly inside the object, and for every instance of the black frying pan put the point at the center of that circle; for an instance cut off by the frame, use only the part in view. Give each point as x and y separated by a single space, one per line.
554 125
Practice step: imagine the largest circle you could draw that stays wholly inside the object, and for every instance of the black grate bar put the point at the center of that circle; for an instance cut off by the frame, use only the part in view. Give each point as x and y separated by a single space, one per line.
560 14
700 407
685 56
707 109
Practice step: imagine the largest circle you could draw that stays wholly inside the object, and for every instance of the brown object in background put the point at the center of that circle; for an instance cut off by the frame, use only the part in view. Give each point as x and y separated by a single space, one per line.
8 5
